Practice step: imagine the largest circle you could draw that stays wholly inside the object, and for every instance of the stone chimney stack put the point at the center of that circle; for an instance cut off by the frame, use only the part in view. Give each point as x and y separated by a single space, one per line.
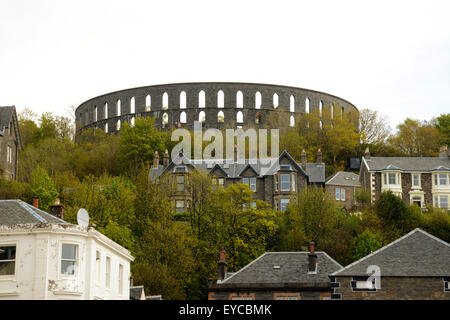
319 157
131 280
312 258
444 152
36 202
166 158
57 209
367 153
304 159
222 264
155 160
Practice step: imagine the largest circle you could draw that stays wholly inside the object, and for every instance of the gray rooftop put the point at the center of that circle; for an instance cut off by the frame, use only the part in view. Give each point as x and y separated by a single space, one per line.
13 212
343 178
137 292
407 163
293 268
5 116
417 254
232 169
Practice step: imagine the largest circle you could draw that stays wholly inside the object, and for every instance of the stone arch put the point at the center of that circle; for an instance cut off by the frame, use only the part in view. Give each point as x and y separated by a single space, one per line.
165 119
331 111
258 100
292 103
165 101
202 116
183 100
95 114
201 99
105 111
239 99
148 103
307 101
275 100
118 107
132 121
220 117
220 99
239 117
258 118
118 125
183 117
132 105
291 121
106 127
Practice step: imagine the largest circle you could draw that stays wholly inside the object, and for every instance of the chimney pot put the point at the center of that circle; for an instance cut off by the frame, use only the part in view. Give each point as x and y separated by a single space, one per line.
367 153
36 202
166 158
304 159
319 156
222 264
155 160
312 258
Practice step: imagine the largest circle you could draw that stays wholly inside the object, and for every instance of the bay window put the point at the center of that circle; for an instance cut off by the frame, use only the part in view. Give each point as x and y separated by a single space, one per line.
285 181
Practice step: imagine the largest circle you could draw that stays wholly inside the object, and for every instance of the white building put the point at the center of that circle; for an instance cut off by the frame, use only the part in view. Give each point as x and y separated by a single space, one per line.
44 257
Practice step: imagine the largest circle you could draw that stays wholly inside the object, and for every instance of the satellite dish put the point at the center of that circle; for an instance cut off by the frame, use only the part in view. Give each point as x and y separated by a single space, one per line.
83 218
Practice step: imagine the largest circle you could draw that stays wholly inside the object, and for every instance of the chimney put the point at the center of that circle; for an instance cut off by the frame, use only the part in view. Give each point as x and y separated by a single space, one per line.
312 258
367 153
131 280
443 152
166 158
156 160
57 209
304 159
319 156
36 202
222 264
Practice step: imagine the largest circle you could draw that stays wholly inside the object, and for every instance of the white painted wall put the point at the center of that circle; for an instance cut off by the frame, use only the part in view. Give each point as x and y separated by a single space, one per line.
38 264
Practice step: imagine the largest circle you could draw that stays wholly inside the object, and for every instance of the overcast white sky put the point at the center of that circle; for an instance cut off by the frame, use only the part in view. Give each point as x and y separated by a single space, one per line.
390 56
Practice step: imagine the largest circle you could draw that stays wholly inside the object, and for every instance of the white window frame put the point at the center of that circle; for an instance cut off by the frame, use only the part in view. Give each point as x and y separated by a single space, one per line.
120 280
285 202
288 183
108 265
10 276
98 266
419 185
338 194
76 260
342 194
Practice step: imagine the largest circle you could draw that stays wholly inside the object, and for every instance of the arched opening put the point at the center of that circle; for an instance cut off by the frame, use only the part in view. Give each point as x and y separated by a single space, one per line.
239 99
106 127
220 99
183 100
183 117
331 111
165 101
165 119
202 116
292 121
201 99
275 100
220 116
132 121
119 107
95 113
239 117
105 111
132 105
148 103
320 124
292 103
320 107
342 113
258 100
118 125
307 105
258 118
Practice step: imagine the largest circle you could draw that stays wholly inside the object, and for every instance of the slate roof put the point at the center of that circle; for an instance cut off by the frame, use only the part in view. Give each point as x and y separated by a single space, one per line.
417 254
344 178
293 269
13 212
407 163
314 171
136 292
8 114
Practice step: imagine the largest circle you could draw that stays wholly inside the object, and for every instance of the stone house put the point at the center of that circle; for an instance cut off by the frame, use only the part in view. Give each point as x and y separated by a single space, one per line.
277 276
413 267
43 257
424 181
274 184
343 186
10 142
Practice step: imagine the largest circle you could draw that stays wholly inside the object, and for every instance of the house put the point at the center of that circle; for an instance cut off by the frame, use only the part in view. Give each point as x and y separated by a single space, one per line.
10 142
43 257
343 186
424 181
274 184
137 293
414 267
277 276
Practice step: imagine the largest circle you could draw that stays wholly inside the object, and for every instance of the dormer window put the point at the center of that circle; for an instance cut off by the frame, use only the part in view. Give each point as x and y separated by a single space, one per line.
285 181
251 182
218 183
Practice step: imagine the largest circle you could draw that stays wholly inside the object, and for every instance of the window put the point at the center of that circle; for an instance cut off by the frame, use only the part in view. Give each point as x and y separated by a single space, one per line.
69 256
9 154
120 279
360 284
283 204
179 206
132 105
417 201
442 179
239 117
292 104
220 116
218 183
106 127
105 111
180 183
201 99
285 182
342 194
108 273
95 113
276 182
165 119
320 107
443 202
447 284
338 194
220 99
391 177
258 118
251 182
416 180
202 116
98 264
183 117
293 183
291 121
7 260
148 103
118 125
307 105
275 101
132 122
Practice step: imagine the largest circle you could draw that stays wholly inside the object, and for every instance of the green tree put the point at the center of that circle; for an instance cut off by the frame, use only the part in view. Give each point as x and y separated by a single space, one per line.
443 126
43 188
364 244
